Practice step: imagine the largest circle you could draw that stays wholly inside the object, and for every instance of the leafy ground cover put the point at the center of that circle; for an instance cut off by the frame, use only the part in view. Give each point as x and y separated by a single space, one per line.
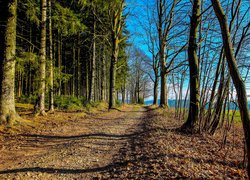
132 142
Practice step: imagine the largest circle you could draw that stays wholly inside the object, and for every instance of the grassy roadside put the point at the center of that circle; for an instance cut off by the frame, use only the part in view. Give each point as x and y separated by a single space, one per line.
231 114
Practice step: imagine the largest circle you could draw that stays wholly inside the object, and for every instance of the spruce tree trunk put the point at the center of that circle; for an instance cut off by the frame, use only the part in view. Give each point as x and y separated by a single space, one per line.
51 64
103 82
19 84
194 104
74 69
41 94
234 72
116 32
59 56
78 79
87 70
8 17
93 68
113 75
115 51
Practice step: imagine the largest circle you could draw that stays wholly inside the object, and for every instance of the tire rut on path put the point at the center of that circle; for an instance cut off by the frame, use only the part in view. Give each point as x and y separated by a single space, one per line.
140 158
74 154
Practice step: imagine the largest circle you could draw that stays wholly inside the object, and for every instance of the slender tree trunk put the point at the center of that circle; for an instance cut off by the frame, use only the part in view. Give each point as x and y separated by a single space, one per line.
93 67
163 101
103 82
31 49
194 104
87 70
235 74
8 17
123 91
185 102
65 69
209 110
113 74
138 87
127 96
74 69
59 52
40 107
180 93
156 89
176 96
222 93
163 33
116 32
30 80
78 66
51 63
19 84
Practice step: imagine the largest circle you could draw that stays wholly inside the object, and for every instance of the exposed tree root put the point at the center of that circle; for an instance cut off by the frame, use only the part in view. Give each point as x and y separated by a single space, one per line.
9 118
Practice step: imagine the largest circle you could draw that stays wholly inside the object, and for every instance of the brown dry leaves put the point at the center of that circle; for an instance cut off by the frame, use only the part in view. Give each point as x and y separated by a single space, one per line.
136 143
159 151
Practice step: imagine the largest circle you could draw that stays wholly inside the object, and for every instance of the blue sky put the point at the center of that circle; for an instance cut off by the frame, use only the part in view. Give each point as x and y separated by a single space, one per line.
137 11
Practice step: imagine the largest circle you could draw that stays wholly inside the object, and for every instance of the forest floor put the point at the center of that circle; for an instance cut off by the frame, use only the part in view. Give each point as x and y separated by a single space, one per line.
132 143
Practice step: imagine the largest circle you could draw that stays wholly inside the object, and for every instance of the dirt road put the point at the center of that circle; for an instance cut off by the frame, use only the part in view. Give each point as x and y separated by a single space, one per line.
134 143
80 148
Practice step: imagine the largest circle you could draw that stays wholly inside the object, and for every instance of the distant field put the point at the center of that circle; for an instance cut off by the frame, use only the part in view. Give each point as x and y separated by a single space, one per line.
171 103
237 118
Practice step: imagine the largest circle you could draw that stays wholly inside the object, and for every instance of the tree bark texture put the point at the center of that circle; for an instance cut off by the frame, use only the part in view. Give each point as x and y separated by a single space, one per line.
156 89
51 63
194 104
234 72
116 31
8 17
93 66
103 77
41 93
113 73
162 45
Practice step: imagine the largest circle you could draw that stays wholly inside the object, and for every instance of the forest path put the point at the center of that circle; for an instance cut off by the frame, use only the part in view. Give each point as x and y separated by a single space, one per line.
134 143
72 148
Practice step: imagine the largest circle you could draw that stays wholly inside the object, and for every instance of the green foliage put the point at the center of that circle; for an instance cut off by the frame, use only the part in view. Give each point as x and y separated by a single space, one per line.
82 2
94 103
32 11
122 67
62 102
27 99
74 103
60 76
69 102
118 103
66 21
26 60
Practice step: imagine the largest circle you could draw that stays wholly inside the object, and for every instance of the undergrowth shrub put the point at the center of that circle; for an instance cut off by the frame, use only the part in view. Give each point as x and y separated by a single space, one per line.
69 102
64 102
27 99
118 103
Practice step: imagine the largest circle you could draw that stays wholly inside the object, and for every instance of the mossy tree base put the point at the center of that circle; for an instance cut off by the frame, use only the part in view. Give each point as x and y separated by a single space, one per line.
9 118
